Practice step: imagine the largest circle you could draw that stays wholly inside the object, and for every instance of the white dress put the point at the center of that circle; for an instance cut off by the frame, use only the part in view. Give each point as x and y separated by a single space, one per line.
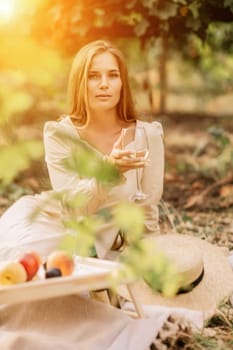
18 233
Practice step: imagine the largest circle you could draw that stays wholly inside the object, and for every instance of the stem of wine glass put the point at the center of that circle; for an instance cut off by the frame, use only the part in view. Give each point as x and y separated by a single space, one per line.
139 195
139 187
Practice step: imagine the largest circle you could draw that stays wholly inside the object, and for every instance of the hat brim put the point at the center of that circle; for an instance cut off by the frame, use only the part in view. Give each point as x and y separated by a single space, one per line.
217 282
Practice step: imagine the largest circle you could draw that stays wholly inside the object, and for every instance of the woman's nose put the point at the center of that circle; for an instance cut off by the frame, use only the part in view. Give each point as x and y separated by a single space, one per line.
103 82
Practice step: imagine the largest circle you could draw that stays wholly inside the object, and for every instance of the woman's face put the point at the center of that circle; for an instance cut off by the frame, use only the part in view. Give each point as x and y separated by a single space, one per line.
104 82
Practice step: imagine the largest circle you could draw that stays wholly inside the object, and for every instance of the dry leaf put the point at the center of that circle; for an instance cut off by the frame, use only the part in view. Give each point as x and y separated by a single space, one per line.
197 185
209 332
193 200
226 191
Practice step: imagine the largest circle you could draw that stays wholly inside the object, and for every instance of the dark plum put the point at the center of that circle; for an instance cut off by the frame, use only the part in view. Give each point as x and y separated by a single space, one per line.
53 272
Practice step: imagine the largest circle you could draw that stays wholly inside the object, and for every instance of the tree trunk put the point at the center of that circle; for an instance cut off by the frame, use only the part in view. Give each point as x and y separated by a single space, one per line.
163 75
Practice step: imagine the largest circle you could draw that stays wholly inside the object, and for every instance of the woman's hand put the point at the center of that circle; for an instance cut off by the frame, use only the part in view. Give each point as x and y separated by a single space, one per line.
125 159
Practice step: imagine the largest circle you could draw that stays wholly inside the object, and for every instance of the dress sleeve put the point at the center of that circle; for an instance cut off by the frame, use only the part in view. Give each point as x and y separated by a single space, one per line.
58 148
153 175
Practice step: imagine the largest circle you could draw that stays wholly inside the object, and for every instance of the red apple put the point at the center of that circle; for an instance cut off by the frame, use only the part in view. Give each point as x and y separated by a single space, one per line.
31 261
61 260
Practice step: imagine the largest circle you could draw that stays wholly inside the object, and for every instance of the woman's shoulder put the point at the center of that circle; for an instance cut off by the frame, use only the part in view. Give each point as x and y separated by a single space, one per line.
53 126
153 127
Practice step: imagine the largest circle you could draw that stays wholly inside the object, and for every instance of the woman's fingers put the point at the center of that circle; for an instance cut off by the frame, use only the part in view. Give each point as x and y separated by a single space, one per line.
119 153
126 159
125 162
125 166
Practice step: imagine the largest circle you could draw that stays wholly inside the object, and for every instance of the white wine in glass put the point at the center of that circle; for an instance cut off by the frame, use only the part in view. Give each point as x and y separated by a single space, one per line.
141 148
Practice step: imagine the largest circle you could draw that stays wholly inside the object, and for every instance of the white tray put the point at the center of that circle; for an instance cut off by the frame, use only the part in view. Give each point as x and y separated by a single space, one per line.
89 274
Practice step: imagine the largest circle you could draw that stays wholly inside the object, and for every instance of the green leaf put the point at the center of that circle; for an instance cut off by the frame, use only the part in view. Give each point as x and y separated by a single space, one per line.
13 102
141 28
88 164
81 234
220 136
68 243
182 2
194 8
129 217
149 3
17 157
72 201
164 10
228 3
144 260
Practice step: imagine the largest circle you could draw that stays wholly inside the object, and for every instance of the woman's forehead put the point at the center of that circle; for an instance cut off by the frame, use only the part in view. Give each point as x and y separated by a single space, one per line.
104 60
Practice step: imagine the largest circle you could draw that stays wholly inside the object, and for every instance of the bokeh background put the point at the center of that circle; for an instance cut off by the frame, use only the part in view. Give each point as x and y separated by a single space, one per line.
180 59
179 53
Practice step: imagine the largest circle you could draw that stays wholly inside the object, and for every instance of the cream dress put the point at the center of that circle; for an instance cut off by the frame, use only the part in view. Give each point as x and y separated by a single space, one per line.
18 233
75 322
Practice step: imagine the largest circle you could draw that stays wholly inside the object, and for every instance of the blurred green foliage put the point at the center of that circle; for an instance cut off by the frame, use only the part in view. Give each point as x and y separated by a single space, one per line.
28 94
199 31
85 21
211 157
88 165
154 267
214 64
222 163
32 85
16 157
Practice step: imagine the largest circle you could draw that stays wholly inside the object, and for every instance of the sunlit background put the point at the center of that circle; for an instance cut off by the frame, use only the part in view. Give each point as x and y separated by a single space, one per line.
180 59
7 9
40 37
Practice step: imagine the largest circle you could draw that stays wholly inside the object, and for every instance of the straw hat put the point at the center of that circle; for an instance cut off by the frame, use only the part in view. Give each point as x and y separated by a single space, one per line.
199 262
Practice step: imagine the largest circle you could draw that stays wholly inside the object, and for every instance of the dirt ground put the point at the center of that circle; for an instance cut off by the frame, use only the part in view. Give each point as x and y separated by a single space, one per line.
198 187
198 200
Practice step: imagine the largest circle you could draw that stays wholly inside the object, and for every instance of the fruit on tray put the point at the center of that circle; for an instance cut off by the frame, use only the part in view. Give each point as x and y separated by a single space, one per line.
12 273
31 262
61 260
52 272
59 263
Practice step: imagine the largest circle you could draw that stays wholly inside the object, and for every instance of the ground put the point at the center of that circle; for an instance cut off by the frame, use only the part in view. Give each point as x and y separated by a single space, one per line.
197 200
198 186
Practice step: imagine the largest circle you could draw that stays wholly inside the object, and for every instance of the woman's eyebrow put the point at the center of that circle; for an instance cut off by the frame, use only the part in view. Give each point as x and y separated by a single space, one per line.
97 71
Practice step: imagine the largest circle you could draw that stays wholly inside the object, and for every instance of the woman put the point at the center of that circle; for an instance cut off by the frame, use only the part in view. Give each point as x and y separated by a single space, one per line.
100 106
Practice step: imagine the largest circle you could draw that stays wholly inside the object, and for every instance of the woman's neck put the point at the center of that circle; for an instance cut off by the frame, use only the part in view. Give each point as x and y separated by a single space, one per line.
102 130
103 120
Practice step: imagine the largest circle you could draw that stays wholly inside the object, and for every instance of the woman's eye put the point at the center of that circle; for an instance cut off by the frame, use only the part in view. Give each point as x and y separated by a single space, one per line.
114 75
96 76
93 76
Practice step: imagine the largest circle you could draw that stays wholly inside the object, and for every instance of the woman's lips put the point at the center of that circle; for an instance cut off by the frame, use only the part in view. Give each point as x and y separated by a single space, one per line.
103 97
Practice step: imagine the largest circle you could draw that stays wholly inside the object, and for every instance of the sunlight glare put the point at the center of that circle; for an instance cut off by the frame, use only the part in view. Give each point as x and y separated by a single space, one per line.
6 9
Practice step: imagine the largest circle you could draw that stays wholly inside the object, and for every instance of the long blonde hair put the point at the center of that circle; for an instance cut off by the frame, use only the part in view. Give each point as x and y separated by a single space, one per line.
77 84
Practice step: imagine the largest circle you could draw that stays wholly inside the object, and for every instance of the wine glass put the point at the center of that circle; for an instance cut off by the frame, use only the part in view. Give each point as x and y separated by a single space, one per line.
141 148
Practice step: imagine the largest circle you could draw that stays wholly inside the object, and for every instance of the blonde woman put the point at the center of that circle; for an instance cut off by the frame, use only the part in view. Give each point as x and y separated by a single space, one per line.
100 107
